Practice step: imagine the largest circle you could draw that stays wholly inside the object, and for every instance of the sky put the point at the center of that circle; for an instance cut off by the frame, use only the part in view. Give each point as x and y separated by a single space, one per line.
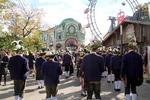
58 10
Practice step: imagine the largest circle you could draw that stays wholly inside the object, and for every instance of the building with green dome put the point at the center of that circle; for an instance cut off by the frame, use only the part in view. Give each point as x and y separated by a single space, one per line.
68 35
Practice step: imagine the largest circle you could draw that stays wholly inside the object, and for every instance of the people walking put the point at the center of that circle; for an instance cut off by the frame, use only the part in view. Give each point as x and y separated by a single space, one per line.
18 67
93 67
132 70
38 67
51 71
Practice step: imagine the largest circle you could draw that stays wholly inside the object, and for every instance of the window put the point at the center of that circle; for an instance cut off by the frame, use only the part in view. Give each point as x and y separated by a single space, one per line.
59 35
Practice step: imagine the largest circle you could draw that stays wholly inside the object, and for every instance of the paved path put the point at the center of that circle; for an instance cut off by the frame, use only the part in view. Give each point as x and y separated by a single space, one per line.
69 89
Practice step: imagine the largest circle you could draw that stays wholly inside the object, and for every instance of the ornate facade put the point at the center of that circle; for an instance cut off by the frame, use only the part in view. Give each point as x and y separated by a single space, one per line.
68 35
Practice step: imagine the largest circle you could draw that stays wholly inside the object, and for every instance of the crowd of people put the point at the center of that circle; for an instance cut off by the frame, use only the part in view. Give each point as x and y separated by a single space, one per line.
91 67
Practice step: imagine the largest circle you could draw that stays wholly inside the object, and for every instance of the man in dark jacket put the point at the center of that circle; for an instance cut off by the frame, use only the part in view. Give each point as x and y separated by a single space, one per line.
51 71
67 60
115 65
92 67
18 67
3 66
131 70
38 66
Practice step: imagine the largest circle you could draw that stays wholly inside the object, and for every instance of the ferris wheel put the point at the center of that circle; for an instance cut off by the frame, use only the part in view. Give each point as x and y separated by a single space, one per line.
90 11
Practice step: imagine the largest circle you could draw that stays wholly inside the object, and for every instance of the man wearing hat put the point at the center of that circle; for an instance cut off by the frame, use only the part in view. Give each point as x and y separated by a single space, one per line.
92 66
38 66
132 70
115 65
67 60
18 67
51 71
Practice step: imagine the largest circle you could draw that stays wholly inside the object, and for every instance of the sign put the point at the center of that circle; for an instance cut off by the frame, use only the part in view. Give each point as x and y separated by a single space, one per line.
148 52
120 16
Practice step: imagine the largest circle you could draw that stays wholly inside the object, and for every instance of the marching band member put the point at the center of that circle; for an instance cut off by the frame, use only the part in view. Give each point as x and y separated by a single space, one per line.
93 67
67 60
132 70
115 65
38 66
51 71
19 68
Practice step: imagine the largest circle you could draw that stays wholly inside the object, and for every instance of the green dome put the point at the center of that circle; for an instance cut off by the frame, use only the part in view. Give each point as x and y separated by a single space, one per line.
67 20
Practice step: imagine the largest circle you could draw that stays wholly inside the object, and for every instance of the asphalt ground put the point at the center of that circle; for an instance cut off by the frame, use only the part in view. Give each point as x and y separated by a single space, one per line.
70 89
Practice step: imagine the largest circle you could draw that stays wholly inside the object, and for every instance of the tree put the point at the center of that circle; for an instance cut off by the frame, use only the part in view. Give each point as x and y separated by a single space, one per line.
6 40
2 4
23 19
33 42
2 9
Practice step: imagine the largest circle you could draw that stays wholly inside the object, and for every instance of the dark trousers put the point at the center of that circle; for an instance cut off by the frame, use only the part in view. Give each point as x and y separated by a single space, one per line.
117 74
51 90
93 87
19 86
71 69
109 70
4 78
131 85
67 67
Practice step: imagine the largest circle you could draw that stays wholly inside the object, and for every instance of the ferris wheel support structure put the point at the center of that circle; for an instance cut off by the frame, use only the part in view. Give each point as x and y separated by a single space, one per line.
90 11
133 4
92 20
